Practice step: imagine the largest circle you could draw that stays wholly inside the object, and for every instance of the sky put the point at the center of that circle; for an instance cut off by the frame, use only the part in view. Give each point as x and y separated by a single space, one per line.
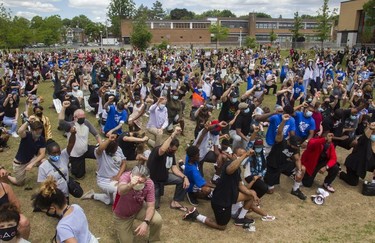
96 9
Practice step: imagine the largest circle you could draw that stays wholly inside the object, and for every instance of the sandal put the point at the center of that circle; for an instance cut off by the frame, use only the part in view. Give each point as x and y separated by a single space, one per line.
328 188
268 218
180 208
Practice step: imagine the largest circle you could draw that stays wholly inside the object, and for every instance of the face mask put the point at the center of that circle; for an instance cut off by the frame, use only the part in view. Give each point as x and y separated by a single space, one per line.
161 106
54 158
308 114
137 102
80 121
247 110
258 85
200 90
309 100
353 117
75 87
167 84
175 97
372 138
359 94
8 234
320 109
54 214
233 100
215 133
139 187
40 114
258 150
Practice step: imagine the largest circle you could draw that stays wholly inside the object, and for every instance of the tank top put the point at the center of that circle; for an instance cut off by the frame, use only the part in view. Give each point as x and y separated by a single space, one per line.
4 199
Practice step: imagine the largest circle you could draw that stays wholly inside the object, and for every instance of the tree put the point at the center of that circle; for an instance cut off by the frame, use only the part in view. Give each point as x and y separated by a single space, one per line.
369 10
250 42
273 36
216 13
81 21
118 10
157 11
5 20
263 15
140 36
366 35
143 12
219 33
307 16
297 26
324 22
181 13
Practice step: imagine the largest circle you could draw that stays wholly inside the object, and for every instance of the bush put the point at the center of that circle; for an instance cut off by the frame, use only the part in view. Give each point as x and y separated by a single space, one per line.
163 45
250 42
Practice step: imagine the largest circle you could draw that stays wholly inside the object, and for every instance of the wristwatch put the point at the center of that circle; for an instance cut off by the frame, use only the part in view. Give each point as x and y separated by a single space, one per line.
327 167
146 221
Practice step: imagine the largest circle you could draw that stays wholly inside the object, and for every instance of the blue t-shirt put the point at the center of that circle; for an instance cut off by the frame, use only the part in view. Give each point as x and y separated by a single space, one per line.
114 118
194 176
298 88
275 121
303 125
250 83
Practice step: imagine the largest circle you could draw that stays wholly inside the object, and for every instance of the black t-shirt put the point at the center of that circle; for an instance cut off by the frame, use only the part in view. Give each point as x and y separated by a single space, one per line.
160 165
228 110
128 148
10 111
29 148
226 191
243 122
280 154
30 86
335 126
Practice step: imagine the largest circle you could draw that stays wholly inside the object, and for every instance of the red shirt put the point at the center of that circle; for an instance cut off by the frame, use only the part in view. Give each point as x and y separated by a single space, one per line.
132 202
318 118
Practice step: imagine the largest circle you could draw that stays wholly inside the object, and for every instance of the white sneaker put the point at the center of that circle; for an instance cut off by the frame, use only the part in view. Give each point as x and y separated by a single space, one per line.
88 195
15 135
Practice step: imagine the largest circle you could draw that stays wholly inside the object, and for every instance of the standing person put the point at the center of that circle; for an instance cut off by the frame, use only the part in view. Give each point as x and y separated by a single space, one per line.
81 150
320 156
161 159
285 158
158 121
116 116
73 225
30 152
136 200
111 164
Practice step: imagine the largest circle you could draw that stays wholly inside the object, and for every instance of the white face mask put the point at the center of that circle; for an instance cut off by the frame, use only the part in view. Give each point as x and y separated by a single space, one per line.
161 106
139 186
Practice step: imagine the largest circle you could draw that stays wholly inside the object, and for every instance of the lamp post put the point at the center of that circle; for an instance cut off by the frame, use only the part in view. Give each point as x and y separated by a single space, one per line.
240 36
101 39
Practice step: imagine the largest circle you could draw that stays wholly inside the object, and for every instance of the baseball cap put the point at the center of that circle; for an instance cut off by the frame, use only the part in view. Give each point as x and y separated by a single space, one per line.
217 128
258 143
294 141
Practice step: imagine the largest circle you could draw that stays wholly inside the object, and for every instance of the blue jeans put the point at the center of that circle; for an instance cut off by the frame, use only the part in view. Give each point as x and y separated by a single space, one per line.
10 122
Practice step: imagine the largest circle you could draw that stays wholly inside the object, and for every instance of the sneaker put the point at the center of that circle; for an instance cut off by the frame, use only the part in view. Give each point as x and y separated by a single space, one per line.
243 221
192 199
15 135
191 215
268 218
328 188
88 195
181 165
215 180
235 215
298 194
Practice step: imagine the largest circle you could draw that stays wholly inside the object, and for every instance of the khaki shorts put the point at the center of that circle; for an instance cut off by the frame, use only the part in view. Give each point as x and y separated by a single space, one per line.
19 172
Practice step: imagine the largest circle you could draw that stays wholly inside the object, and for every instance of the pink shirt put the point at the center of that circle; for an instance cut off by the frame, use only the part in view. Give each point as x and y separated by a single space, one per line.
132 202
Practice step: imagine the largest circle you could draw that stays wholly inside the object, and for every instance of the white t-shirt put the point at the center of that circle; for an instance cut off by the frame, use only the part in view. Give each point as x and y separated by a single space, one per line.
108 166
207 144
207 88
77 93
82 138
46 169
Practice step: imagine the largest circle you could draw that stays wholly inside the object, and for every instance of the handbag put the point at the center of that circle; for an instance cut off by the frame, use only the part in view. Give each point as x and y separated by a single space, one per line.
74 187
368 188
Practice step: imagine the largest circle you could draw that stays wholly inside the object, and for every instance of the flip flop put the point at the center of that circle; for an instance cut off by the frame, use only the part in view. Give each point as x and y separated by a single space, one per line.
180 208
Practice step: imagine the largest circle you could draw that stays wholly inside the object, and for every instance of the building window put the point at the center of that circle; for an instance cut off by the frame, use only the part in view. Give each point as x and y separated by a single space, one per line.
162 37
310 26
235 24
200 37
265 25
162 25
181 25
200 25
284 25
181 37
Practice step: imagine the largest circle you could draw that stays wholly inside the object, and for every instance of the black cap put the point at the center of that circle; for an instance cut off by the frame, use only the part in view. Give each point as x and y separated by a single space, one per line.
234 94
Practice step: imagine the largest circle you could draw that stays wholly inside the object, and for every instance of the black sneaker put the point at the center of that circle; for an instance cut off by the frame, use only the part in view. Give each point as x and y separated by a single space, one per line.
243 221
192 198
298 194
191 215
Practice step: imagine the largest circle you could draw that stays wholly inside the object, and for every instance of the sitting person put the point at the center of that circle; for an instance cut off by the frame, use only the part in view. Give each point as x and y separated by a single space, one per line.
111 164
320 156
199 187
362 158
10 224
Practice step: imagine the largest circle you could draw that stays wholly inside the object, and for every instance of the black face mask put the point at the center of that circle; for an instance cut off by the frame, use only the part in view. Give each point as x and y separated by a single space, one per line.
8 234
40 114
53 215
80 121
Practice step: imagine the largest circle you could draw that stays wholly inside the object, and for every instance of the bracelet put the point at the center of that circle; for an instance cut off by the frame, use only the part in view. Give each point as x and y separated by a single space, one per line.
183 178
146 221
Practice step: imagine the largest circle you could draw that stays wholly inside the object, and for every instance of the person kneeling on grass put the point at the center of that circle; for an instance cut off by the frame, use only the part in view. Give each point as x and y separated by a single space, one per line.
111 164
229 190
199 187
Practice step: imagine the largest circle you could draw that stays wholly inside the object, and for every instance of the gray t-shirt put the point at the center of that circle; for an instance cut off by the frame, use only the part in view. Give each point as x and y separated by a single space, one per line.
108 166
46 169
74 225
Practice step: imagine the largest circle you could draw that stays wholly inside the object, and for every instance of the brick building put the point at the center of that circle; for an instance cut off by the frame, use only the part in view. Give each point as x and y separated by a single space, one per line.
197 31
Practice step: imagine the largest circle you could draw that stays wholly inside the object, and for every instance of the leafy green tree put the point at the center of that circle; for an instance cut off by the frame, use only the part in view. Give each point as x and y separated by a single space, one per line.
181 13
81 21
219 33
143 12
369 10
157 11
324 22
117 10
140 36
216 13
273 36
263 15
5 20
250 42
297 26
20 33
307 16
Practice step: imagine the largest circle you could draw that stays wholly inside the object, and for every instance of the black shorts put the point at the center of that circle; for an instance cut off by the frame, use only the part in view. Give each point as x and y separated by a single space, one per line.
272 176
222 214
